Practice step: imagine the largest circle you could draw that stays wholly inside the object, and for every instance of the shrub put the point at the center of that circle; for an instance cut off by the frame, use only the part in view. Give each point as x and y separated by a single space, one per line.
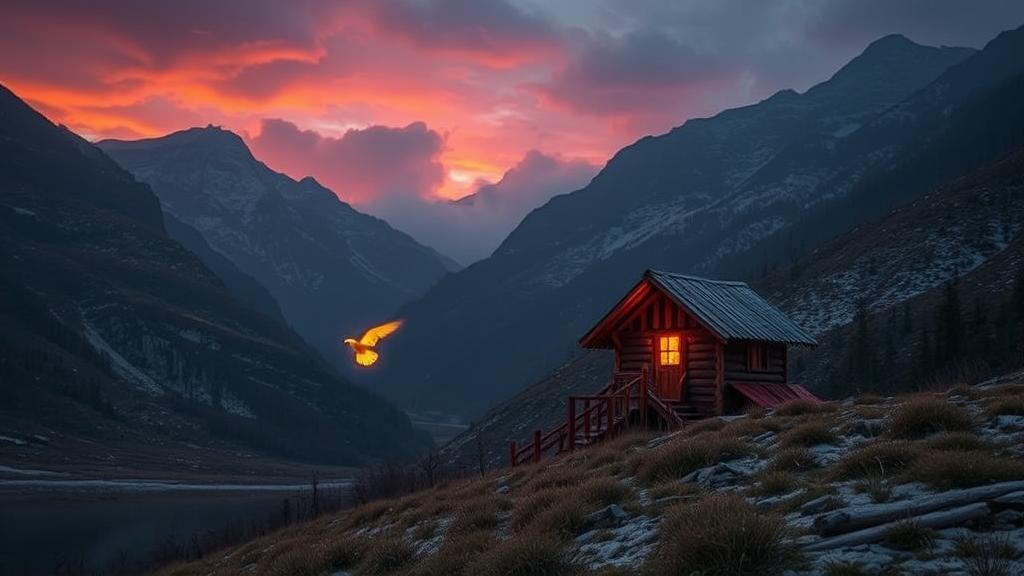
791 460
808 434
721 535
681 457
525 555
884 458
961 469
386 555
801 407
908 536
924 416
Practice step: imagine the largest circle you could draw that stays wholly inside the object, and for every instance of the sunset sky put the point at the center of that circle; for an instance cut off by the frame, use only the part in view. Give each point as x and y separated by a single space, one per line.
398 104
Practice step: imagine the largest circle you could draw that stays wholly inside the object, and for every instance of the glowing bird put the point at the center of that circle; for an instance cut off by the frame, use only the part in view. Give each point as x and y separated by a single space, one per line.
364 347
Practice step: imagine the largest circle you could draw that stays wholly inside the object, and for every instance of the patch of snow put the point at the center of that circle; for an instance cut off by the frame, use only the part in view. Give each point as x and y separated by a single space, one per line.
17 441
23 211
121 366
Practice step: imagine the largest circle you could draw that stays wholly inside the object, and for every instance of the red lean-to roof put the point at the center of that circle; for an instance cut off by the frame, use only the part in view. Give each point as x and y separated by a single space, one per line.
771 395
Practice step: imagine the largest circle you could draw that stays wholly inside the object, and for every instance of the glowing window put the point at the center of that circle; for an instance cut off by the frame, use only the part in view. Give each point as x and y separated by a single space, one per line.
668 350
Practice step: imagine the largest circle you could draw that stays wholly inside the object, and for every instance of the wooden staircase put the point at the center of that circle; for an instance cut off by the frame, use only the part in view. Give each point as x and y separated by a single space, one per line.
629 401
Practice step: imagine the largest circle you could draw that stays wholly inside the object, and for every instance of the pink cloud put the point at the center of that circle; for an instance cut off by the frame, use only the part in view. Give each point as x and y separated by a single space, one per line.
362 165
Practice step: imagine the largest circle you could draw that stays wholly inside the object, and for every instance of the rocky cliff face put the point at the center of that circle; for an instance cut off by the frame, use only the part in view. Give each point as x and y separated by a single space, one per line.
333 270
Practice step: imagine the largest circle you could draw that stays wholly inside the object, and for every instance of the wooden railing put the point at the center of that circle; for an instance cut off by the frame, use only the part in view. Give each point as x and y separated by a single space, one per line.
625 401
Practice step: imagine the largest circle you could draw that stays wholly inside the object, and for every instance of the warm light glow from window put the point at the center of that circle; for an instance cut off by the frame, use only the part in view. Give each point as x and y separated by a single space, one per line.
668 350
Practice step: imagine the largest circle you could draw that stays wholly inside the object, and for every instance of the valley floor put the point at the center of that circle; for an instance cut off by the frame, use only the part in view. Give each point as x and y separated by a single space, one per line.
931 483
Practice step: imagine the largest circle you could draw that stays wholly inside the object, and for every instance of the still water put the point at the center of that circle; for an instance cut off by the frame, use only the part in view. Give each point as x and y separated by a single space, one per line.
65 526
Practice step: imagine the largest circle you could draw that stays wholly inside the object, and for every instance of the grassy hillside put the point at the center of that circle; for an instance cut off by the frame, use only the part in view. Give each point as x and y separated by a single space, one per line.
922 484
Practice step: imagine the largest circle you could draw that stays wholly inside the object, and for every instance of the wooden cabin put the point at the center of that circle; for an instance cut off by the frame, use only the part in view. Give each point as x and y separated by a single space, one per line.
685 348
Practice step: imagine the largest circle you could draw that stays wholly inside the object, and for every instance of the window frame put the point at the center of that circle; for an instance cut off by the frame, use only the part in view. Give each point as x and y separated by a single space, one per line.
762 350
658 351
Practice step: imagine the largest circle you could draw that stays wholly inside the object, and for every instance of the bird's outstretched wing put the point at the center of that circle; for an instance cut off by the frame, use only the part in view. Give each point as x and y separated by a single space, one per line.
375 334
366 357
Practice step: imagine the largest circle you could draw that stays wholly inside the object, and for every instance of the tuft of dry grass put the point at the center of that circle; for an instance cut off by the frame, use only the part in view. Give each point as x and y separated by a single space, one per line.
367 514
560 511
702 426
987 556
957 441
791 460
808 434
920 417
909 537
844 569
603 491
669 488
480 513
385 556
802 407
884 458
1005 406
774 483
945 469
525 555
456 552
676 459
868 399
721 535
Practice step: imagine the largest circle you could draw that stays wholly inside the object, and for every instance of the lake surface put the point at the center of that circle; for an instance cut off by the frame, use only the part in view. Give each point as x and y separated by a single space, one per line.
51 524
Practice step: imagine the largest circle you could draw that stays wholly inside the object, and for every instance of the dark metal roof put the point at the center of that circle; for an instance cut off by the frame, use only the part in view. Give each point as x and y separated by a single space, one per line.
732 310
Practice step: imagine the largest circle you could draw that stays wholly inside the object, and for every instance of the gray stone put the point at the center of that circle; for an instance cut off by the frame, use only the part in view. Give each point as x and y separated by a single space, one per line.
611 515
820 504
1010 422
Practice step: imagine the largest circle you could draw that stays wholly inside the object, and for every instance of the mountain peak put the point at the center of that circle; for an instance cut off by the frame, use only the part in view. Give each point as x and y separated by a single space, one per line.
886 70
892 42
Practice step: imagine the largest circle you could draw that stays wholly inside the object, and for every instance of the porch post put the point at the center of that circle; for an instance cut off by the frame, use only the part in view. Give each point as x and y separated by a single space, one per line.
572 423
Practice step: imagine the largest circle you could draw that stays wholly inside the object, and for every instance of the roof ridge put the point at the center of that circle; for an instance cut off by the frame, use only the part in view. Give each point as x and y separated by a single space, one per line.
651 271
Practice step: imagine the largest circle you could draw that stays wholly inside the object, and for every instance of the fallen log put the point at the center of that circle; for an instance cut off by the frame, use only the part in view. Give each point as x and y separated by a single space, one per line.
856 517
933 520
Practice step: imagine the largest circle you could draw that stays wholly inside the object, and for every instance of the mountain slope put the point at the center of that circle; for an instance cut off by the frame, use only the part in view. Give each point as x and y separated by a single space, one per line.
332 269
112 332
694 200
245 288
971 228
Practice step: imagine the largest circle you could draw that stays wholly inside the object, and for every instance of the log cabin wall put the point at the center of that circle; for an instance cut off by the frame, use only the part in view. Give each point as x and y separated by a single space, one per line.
634 338
700 388
737 369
